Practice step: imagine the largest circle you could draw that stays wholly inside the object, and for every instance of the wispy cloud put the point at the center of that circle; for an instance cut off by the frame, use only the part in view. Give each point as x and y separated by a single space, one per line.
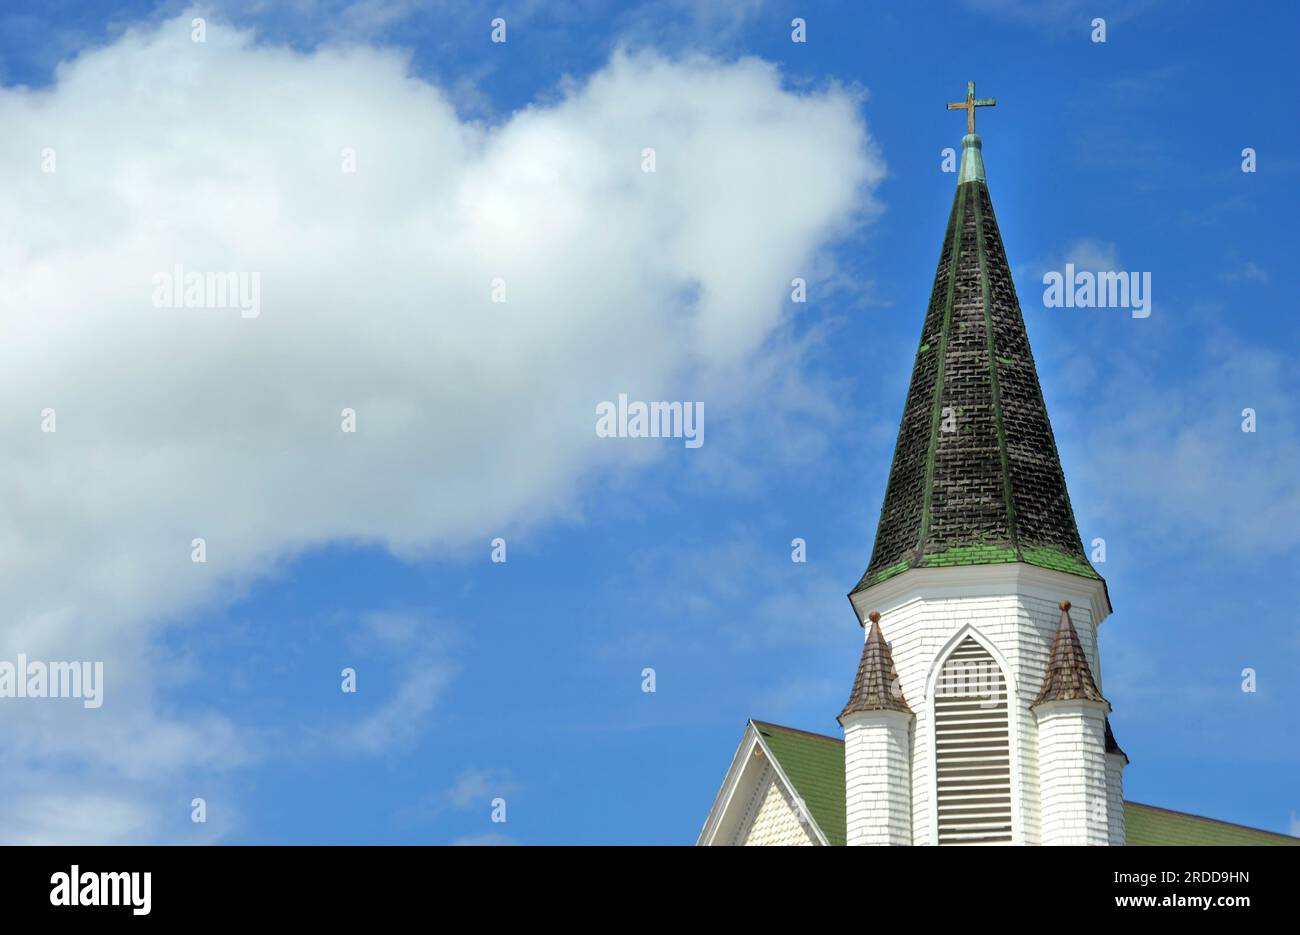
1090 254
476 788
1057 16
472 791
784 602
416 647
1246 271
1178 456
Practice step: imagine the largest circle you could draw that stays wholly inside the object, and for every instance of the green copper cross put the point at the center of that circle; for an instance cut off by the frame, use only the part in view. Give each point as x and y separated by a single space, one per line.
970 104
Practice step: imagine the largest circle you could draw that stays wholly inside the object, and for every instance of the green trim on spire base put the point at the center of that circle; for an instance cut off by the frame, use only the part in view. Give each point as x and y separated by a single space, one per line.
1050 558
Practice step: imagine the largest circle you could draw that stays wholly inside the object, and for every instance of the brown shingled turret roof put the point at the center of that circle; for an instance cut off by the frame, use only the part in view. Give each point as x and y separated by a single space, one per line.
1068 676
876 687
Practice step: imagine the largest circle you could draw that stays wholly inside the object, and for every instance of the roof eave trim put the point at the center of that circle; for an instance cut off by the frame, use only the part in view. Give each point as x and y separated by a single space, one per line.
979 580
753 737
729 783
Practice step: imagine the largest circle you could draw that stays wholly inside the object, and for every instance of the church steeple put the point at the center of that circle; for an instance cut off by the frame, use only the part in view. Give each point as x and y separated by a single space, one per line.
976 478
1002 736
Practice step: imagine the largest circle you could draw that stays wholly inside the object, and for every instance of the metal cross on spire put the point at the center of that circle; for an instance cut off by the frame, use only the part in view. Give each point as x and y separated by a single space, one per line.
970 104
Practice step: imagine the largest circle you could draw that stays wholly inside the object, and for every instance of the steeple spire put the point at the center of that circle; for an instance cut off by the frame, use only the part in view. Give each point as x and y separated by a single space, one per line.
976 478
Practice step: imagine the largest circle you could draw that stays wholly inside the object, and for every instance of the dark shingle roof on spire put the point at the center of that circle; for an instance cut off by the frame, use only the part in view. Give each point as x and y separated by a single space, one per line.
876 687
1068 676
992 490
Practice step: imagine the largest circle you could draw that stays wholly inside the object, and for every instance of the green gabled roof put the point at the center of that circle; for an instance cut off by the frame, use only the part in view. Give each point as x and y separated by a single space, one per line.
814 763
1149 826
976 478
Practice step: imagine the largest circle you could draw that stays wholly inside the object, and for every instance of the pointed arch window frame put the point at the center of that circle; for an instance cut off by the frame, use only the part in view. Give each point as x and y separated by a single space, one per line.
1018 811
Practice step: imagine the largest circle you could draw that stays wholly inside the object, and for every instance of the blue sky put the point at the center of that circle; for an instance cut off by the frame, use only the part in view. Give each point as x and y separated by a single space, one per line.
522 680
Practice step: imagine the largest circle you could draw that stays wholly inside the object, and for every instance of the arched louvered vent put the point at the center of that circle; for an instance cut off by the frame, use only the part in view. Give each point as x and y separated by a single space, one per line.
973 750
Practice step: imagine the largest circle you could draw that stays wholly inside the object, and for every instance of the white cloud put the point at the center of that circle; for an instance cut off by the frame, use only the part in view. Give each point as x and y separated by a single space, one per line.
79 817
63 812
476 788
474 418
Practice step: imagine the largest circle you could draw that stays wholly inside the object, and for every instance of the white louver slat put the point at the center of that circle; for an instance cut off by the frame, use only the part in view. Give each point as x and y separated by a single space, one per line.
973 749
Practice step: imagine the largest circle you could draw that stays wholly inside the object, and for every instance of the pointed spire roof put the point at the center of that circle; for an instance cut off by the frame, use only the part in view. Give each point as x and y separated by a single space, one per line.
976 478
1068 676
876 687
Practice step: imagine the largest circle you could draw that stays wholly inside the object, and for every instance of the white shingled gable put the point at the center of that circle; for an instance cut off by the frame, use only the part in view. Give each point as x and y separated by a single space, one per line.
757 803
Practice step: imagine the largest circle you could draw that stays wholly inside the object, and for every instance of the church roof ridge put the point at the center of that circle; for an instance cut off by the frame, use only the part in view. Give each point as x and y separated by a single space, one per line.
772 725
